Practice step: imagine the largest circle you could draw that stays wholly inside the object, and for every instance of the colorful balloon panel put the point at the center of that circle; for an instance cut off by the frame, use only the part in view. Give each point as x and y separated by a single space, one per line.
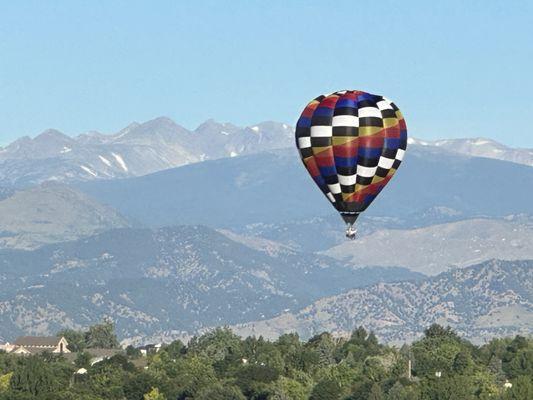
351 143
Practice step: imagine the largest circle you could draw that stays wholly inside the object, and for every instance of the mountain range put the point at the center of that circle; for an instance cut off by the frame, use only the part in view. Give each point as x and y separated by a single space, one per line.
173 279
159 144
273 187
138 149
171 231
436 248
479 302
481 147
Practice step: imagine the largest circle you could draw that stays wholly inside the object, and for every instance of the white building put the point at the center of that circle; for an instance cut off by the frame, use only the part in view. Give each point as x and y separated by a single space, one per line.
7 347
39 344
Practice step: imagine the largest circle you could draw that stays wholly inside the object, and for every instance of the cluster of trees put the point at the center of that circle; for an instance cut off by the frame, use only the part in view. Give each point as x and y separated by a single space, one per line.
220 365
101 336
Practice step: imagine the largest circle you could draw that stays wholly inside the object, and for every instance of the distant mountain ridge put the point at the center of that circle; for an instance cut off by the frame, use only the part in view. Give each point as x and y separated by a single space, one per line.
101 218
178 279
159 144
52 213
436 248
138 149
273 187
491 299
481 147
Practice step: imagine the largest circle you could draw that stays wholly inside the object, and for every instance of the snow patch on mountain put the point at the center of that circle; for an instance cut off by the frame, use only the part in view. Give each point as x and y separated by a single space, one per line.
105 160
120 161
88 170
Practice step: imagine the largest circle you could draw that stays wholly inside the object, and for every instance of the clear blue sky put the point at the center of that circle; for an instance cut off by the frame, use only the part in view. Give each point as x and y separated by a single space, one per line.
456 69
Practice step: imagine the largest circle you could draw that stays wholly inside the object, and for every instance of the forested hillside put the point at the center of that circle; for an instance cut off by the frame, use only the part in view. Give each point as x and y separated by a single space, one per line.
220 365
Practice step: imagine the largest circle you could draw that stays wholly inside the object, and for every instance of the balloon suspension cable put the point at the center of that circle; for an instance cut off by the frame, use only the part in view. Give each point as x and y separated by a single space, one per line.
351 231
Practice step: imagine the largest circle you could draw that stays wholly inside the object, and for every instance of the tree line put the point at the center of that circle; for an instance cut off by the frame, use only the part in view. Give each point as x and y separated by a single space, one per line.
223 366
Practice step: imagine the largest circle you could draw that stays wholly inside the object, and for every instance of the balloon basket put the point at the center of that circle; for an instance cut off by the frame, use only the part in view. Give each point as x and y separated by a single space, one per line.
351 231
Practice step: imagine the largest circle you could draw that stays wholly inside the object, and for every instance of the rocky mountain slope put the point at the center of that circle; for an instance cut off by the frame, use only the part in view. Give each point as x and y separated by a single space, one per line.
173 279
52 213
138 149
434 249
491 299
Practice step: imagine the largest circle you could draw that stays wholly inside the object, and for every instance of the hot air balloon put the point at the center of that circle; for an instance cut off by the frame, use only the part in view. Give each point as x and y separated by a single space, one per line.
351 143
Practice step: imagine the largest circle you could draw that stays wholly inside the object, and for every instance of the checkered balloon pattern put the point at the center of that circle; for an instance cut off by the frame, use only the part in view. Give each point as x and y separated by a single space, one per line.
352 143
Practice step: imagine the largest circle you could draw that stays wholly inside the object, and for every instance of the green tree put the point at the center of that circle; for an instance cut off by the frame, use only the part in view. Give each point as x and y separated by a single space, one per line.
438 331
220 392
397 392
216 345
326 390
324 345
193 374
102 336
448 388
33 377
496 368
359 336
374 369
83 360
436 351
106 379
289 389
462 362
521 363
262 352
253 379
175 349
138 384
154 395
290 348
4 381
376 393
522 389
342 374
133 352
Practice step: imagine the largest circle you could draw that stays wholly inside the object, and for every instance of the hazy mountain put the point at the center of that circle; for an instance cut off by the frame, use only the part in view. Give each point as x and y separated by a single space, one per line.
159 144
52 213
451 204
274 187
174 279
48 144
491 299
136 150
436 248
481 147
6 192
302 233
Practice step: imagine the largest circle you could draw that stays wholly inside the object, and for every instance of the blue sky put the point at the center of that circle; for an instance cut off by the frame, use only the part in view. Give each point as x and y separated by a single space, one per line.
456 69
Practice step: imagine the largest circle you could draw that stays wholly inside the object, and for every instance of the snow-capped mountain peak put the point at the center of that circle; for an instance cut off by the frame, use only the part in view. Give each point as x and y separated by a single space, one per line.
137 149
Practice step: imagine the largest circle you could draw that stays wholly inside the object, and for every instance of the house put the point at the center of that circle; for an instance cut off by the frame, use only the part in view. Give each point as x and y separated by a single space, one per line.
150 348
7 347
38 344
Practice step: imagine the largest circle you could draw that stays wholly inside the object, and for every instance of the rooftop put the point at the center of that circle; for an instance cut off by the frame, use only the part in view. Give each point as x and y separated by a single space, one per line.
38 341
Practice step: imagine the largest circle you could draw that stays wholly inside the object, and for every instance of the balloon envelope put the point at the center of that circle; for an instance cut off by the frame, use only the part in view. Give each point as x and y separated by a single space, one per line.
351 143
